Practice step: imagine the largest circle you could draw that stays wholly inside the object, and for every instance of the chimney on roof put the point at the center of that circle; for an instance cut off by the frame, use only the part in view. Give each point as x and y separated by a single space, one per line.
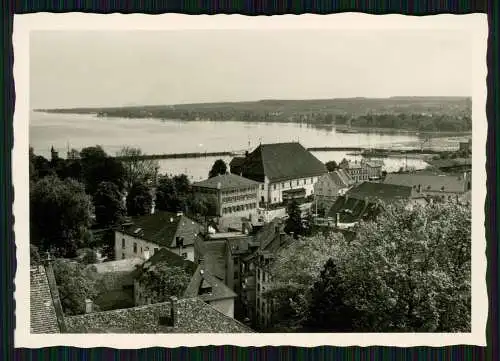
337 219
201 262
89 306
174 311
146 254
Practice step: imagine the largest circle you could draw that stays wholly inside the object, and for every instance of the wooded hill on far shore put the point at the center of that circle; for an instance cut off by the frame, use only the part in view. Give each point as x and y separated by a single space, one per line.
447 114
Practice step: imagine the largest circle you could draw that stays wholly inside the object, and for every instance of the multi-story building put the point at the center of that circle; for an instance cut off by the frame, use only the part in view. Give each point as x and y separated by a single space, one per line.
332 185
363 170
362 202
255 275
283 170
145 235
231 195
443 186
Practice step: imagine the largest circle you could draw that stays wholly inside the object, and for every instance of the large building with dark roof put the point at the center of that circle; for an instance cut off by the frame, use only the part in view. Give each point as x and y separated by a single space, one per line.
445 186
230 195
145 235
282 169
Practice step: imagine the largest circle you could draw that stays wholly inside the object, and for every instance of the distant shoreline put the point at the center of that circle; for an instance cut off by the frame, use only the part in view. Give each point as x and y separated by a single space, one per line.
340 128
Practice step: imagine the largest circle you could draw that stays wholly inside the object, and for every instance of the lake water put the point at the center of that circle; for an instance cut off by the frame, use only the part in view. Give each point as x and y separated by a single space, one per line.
155 136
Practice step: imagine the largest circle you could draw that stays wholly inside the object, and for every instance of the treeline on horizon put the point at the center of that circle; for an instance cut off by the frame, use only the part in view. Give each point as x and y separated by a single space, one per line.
431 114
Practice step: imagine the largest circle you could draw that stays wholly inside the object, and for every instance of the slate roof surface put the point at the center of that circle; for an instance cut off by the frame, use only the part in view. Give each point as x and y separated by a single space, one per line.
341 178
163 227
201 278
382 191
281 161
226 181
193 316
43 318
214 255
428 182
352 210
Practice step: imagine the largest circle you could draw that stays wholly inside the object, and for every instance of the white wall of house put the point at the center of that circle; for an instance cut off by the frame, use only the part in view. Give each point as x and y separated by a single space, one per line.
127 246
226 306
273 191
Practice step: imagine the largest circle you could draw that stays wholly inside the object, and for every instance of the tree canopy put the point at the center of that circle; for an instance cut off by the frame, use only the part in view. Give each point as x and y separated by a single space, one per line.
218 168
74 286
162 281
137 169
109 207
98 167
294 220
139 200
60 215
331 166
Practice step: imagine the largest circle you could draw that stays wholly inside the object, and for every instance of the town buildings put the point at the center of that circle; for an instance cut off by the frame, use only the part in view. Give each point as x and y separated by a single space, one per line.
363 202
194 312
443 186
330 186
255 273
230 195
283 170
363 170
145 235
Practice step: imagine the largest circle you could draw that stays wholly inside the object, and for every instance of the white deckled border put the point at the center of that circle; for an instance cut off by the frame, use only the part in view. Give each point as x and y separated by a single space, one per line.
23 24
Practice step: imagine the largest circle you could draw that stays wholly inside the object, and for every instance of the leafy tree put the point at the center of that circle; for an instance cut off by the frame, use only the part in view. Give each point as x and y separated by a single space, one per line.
137 169
410 271
89 256
98 167
163 281
60 215
109 207
218 168
327 310
139 200
74 286
174 194
294 220
331 165
292 274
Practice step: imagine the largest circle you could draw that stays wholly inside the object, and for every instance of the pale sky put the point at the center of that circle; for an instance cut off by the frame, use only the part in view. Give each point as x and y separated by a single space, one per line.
115 68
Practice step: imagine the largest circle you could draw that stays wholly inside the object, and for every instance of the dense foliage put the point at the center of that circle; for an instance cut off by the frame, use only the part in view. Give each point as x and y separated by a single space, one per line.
294 221
109 207
139 200
161 281
74 286
407 272
60 215
218 168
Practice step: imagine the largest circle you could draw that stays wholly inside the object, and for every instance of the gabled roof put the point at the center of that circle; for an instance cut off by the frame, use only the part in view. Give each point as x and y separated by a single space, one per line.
202 278
164 256
214 256
429 182
162 228
193 316
281 161
43 316
226 181
352 210
237 161
340 178
380 191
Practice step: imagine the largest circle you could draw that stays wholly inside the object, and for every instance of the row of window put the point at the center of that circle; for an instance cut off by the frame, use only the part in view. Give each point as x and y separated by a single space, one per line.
239 208
290 183
239 190
239 198
184 255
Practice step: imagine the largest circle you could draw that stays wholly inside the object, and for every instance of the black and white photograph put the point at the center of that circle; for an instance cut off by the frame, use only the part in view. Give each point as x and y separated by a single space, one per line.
322 180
